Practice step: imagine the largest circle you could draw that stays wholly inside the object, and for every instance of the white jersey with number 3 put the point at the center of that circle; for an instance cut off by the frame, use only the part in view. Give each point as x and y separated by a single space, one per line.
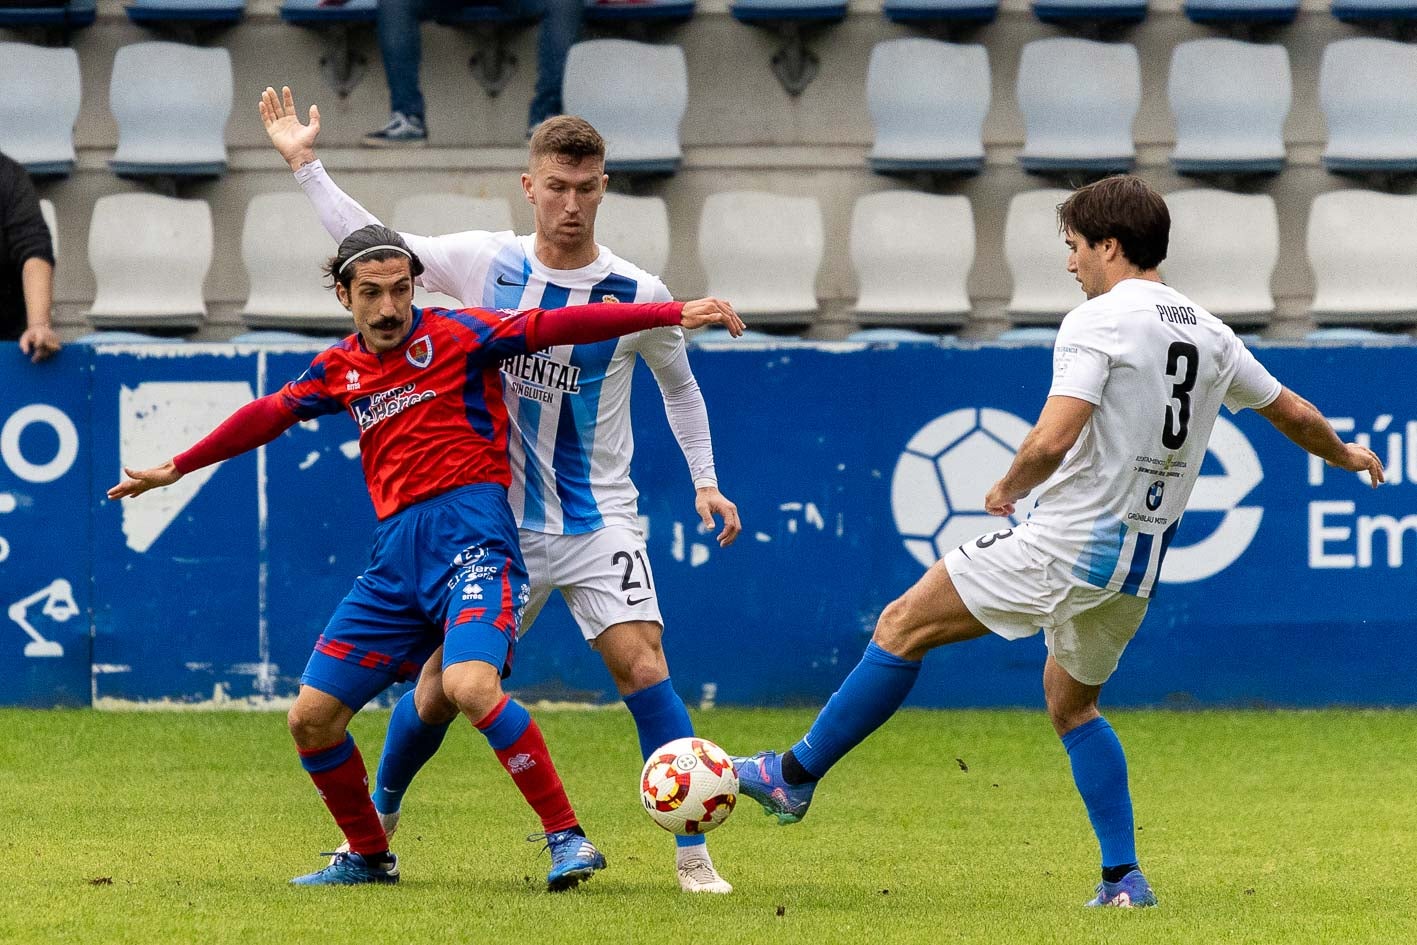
1157 368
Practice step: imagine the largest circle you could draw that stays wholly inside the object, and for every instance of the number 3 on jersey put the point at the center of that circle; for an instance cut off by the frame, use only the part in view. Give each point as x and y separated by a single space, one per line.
1182 359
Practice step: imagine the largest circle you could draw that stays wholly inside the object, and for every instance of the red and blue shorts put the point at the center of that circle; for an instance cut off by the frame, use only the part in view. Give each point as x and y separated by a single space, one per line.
445 572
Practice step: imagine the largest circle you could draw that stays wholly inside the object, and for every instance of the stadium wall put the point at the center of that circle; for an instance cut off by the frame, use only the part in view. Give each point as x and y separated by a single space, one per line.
1288 583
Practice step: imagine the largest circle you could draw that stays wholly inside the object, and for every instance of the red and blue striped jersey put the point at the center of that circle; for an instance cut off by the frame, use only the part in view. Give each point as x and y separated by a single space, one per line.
430 412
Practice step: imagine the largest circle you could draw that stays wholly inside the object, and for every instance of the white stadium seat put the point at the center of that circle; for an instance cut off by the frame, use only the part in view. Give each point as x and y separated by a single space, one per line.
1044 290
171 103
39 104
437 214
284 247
635 94
927 101
1223 251
1079 99
762 251
1230 100
1362 248
912 253
149 256
636 229
1368 93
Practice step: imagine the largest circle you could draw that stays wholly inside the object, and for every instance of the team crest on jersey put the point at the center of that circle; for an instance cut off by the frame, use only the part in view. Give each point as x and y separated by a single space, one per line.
609 298
420 353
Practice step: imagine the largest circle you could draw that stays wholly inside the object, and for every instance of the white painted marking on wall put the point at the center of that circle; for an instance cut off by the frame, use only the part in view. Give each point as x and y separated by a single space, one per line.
350 449
676 547
698 554
155 421
310 459
8 503
762 536
265 679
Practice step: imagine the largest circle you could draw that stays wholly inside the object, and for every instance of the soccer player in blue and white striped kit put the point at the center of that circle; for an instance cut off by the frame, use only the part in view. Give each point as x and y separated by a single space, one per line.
570 443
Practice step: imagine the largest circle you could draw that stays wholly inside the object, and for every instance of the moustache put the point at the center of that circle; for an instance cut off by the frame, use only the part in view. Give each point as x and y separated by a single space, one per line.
385 324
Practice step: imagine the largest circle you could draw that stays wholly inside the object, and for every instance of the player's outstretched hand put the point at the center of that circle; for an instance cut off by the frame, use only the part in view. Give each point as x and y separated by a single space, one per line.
709 502
703 312
1361 459
998 502
138 481
294 141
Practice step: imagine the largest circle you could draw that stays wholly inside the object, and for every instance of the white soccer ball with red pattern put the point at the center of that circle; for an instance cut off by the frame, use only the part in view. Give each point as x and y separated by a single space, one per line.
688 786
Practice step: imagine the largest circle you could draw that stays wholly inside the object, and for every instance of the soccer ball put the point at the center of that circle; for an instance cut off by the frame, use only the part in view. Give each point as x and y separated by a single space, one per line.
688 786
937 492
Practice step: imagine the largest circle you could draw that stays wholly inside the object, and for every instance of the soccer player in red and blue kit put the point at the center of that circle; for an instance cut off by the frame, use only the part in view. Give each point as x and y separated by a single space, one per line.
425 389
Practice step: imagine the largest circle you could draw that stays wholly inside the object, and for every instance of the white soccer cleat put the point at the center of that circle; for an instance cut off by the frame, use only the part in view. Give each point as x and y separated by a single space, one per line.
697 875
390 822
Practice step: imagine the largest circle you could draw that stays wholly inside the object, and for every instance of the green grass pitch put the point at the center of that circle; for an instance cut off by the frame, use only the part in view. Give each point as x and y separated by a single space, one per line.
1254 828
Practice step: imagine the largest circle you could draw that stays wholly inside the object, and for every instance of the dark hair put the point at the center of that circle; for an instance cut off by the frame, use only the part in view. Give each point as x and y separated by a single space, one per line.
566 136
366 237
1124 208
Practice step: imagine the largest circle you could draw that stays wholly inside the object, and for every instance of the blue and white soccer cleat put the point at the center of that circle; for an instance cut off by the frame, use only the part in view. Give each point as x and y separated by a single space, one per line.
350 869
573 859
760 777
1130 892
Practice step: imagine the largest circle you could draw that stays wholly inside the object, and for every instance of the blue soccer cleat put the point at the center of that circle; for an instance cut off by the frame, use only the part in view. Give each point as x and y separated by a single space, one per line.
350 869
573 859
1130 892
760 777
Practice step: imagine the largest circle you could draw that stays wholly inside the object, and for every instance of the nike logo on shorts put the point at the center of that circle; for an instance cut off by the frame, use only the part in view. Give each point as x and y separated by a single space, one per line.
632 601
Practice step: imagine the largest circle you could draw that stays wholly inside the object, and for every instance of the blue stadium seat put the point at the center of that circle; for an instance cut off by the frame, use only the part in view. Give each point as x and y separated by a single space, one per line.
1223 251
1079 99
485 14
1241 11
1368 93
912 253
927 101
171 102
1063 12
941 11
760 11
1230 100
1367 11
636 95
612 12
73 15
1362 248
39 104
149 256
313 13
151 12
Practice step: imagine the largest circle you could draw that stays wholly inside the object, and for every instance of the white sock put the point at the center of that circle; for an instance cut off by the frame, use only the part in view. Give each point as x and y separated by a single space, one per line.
683 855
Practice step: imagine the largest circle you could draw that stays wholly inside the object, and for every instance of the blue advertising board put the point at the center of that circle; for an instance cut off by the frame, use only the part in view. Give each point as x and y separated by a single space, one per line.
853 467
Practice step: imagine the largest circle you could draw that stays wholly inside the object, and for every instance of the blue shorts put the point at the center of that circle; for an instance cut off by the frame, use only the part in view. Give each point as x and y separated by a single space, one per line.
446 572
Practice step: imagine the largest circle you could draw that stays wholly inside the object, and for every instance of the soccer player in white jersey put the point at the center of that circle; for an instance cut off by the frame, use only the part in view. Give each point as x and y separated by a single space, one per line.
570 443
1139 375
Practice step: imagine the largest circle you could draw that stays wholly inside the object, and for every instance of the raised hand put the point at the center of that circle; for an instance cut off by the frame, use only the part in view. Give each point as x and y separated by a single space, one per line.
702 312
294 141
138 481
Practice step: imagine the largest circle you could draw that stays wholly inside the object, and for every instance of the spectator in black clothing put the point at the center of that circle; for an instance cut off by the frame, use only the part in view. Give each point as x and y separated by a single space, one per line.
26 266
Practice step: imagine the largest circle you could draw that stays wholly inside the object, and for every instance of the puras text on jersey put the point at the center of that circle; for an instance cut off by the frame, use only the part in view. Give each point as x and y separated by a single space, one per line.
1178 314
368 411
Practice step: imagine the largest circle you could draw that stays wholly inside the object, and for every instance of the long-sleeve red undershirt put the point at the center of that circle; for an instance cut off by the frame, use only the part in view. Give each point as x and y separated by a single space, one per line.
266 418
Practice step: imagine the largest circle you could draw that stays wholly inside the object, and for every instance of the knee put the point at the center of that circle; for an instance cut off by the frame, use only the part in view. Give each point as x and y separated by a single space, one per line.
312 728
895 633
474 688
432 703
1065 718
640 668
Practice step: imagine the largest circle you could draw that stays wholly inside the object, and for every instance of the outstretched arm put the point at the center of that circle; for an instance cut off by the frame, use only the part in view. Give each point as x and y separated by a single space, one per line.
253 425
601 321
1302 422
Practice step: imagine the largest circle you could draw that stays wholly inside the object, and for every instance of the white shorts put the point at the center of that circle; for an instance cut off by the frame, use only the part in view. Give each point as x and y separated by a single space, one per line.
1015 590
603 575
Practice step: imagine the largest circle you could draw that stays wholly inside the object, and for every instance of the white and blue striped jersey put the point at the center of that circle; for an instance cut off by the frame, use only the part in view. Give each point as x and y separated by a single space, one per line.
1157 368
570 442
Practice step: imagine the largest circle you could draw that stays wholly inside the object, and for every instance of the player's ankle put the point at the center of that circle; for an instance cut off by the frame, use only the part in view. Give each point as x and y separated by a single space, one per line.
1114 874
793 772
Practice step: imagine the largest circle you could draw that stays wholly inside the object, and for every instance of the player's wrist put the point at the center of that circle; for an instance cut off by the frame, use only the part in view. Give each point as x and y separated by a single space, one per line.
300 159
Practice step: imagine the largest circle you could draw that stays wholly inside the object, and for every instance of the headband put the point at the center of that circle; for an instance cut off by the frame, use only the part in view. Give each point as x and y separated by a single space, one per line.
374 249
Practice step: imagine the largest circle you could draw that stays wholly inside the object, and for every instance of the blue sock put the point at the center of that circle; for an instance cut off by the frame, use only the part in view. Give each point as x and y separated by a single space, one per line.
408 745
508 724
872 693
1100 773
660 716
